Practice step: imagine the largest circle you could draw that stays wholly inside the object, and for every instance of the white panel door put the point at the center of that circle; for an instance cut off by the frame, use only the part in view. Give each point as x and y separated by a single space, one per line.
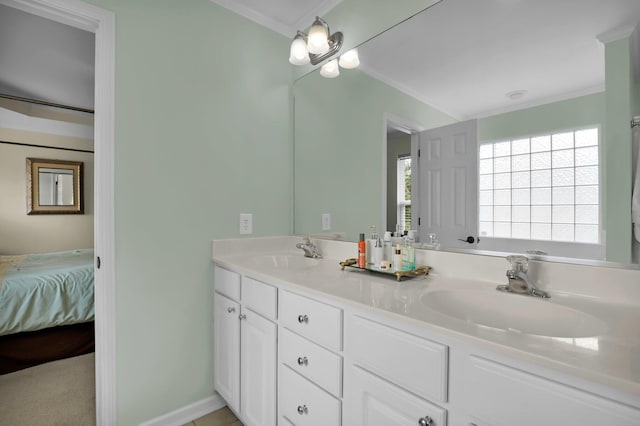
258 366
447 197
226 351
372 401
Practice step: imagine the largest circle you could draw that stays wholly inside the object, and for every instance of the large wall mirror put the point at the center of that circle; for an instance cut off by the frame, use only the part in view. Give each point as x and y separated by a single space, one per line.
523 71
54 186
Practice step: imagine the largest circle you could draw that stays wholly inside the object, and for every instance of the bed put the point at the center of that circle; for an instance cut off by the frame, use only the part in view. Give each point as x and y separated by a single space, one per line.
46 307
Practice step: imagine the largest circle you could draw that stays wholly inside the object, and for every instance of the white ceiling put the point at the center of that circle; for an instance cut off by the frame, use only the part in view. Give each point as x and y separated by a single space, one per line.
45 60
464 56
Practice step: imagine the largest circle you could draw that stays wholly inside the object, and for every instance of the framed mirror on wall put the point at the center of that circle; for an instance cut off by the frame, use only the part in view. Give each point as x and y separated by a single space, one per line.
54 186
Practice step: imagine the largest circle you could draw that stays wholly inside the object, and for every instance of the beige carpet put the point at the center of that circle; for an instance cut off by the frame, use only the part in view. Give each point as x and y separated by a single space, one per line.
59 393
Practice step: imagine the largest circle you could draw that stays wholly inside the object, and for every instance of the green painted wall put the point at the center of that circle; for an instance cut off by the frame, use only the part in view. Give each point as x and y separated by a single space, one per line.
203 132
578 112
339 145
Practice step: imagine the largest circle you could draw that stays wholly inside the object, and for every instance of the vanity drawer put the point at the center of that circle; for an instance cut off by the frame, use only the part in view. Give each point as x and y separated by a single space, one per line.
372 400
227 283
260 297
500 394
305 404
417 364
312 361
318 321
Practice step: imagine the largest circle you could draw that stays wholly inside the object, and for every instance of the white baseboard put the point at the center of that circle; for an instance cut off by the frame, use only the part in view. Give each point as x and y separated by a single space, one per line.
189 413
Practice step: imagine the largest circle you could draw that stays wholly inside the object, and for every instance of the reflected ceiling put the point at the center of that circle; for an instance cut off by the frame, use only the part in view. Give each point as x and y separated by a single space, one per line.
498 38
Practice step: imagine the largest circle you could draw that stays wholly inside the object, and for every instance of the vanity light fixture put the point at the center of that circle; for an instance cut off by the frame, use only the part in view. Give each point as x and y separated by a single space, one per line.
316 46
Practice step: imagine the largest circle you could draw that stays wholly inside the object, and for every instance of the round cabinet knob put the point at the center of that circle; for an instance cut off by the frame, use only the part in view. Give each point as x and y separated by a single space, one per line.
425 421
302 409
303 319
230 310
303 360
242 316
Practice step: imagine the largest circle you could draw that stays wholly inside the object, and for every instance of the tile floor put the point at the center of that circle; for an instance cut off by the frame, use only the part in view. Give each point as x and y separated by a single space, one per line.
221 417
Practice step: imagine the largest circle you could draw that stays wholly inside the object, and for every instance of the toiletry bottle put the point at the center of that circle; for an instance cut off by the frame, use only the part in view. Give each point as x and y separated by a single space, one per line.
408 256
388 248
378 253
397 259
371 243
362 252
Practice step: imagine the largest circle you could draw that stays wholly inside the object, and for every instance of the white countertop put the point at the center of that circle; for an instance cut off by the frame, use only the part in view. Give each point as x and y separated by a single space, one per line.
611 358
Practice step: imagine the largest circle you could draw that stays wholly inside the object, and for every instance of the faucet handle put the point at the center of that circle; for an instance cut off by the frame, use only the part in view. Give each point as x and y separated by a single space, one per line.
518 263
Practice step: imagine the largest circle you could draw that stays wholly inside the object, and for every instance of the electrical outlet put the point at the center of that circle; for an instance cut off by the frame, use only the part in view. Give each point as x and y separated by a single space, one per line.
326 221
246 223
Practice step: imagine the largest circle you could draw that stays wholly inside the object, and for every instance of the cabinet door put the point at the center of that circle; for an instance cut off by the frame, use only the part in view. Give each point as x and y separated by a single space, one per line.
226 351
258 366
372 401
499 394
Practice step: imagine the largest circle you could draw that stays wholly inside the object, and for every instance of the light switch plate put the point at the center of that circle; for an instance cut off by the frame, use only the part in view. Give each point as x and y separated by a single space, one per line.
326 221
246 223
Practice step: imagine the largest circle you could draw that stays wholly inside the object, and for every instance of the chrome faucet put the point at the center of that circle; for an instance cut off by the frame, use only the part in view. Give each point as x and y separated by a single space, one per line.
310 249
519 280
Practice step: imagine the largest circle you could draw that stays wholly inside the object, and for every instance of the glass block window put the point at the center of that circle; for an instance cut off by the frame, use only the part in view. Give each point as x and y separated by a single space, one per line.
404 192
541 188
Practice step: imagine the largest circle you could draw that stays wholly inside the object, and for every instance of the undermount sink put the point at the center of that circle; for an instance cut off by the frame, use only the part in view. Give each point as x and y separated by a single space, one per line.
524 314
284 261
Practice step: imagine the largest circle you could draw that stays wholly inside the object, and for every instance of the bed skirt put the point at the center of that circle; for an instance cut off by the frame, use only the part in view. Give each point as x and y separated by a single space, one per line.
23 350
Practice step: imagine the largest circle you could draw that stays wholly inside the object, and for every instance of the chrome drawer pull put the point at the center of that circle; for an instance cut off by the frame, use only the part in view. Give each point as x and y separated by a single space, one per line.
302 409
303 319
230 310
242 316
425 421
303 361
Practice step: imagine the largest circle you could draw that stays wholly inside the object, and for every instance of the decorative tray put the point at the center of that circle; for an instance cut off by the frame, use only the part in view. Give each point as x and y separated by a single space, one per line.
417 272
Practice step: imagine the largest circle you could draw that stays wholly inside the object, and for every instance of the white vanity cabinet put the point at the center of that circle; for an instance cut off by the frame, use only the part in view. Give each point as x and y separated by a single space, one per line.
310 369
287 355
245 346
393 377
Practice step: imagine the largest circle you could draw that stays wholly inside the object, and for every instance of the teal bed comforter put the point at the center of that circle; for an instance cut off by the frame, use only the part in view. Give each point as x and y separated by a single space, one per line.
38 291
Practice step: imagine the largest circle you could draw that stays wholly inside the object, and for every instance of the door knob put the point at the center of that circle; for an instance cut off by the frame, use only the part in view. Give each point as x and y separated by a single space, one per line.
425 421
303 318
230 310
469 240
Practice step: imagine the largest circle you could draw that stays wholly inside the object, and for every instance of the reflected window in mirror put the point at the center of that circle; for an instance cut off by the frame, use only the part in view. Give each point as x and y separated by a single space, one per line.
404 192
54 186
543 188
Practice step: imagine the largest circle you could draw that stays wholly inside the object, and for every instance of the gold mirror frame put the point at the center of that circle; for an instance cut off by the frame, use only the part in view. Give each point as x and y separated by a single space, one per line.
33 186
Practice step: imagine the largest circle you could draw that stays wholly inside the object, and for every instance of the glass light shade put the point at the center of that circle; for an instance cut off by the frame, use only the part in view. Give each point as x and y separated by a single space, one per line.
318 38
350 60
299 53
330 69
